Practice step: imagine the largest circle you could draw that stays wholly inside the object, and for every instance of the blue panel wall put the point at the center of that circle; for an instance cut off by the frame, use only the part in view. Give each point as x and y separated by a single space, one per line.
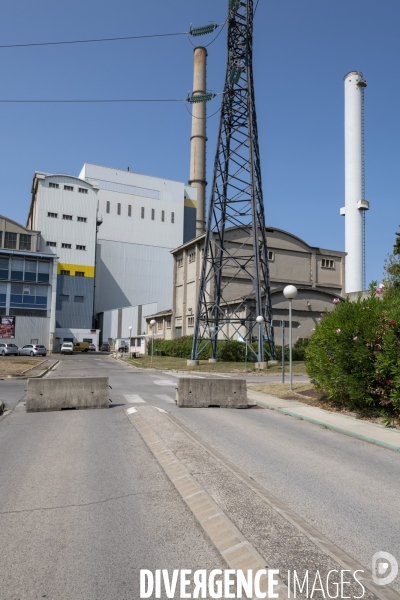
73 313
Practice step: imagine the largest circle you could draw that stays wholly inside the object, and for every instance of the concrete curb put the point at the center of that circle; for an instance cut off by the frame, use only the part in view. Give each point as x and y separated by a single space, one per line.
234 548
323 423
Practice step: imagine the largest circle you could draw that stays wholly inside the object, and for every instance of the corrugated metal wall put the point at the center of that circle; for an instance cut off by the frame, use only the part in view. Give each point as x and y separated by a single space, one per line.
72 313
129 317
131 274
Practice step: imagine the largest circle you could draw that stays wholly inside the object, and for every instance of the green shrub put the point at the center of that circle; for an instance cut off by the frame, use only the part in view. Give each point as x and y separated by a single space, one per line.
353 355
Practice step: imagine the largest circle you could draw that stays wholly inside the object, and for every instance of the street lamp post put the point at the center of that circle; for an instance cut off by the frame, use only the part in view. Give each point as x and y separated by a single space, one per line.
130 335
152 323
260 321
290 292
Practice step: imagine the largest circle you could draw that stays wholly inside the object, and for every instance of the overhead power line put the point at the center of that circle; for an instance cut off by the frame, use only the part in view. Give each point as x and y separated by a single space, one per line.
115 39
193 32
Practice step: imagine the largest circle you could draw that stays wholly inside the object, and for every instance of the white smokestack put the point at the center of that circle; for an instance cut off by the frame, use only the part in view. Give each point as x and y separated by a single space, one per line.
199 139
355 204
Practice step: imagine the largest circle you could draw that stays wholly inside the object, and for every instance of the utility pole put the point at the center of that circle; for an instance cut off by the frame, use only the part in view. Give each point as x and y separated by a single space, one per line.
236 210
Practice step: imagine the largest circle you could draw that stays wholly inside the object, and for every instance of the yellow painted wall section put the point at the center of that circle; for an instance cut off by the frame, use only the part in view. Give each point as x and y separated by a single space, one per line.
89 271
190 203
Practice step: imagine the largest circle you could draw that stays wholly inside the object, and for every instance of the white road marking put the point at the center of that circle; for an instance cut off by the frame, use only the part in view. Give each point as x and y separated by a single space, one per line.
130 411
134 399
166 398
161 410
165 382
179 375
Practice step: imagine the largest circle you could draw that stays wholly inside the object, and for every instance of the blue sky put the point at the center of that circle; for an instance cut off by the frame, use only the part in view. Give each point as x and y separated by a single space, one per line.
302 50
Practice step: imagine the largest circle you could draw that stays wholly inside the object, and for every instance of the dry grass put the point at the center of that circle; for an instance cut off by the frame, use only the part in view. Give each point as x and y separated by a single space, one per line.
169 363
281 390
15 365
305 392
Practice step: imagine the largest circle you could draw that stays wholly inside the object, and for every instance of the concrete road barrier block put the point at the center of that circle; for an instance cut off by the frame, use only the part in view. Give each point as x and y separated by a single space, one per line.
67 392
203 393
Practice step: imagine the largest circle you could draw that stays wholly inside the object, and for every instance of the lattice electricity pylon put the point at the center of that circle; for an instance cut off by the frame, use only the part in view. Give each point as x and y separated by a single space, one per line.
234 287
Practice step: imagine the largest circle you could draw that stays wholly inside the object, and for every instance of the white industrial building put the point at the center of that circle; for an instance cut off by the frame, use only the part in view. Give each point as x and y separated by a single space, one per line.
143 219
112 232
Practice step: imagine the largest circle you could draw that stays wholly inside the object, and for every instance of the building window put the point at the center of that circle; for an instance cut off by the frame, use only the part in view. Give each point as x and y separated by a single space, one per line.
82 190
179 262
79 273
327 263
52 215
192 257
79 298
159 325
1 238
172 217
63 298
54 185
271 255
107 206
190 321
43 271
68 188
17 268
30 270
78 247
65 272
82 219
68 246
129 210
51 244
168 323
67 217
163 216
142 212
4 267
25 242
28 296
118 208
153 214
10 240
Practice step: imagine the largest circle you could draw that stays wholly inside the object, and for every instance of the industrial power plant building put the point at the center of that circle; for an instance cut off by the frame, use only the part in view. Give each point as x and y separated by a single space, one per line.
111 233
318 274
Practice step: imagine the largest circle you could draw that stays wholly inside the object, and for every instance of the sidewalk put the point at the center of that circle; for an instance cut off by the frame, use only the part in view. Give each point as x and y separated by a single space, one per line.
363 430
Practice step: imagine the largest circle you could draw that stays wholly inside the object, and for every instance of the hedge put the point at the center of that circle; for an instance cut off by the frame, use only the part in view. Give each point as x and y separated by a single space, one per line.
231 351
353 354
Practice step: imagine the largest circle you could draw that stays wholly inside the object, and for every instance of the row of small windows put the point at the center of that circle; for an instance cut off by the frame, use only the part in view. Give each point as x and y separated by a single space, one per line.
10 241
54 215
65 298
142 212
192 258
69 246
77 273
68 188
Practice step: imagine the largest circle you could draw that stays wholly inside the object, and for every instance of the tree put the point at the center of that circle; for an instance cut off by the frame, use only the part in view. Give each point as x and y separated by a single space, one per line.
391 278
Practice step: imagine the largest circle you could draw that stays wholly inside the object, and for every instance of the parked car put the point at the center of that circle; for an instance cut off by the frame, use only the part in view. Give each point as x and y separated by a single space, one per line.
92 347
8 349
67 348
81 346
33 350
105 347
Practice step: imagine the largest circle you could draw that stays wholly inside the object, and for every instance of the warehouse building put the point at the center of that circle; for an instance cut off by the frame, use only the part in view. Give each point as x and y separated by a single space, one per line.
317 273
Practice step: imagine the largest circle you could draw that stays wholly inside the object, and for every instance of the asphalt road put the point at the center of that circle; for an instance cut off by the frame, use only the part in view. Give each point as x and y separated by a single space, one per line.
80 460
